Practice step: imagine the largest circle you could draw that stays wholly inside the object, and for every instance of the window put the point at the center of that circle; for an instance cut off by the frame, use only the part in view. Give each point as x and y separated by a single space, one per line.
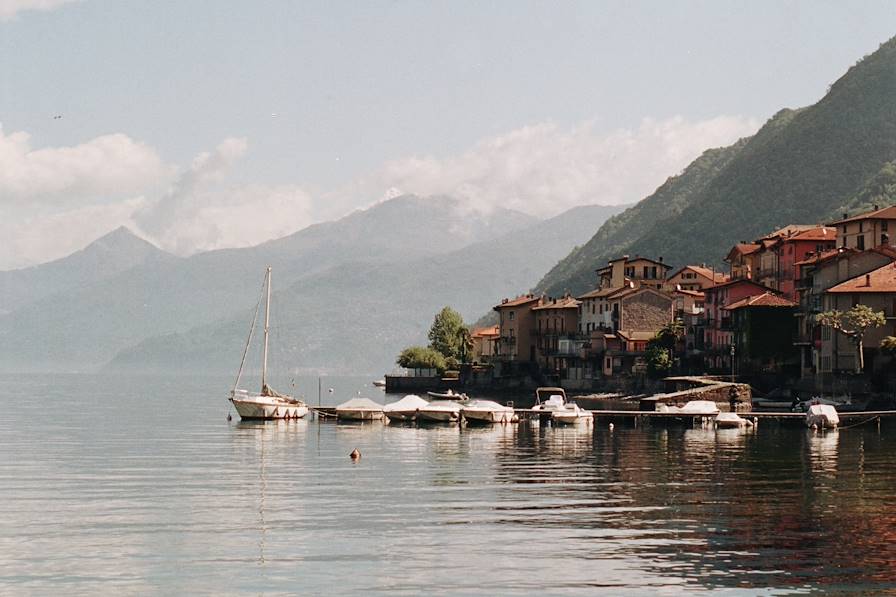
845 228
510 317
860 242
861 226
884 225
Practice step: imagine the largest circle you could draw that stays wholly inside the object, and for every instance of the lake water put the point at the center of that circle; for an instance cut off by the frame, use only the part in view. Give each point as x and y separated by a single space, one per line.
139 485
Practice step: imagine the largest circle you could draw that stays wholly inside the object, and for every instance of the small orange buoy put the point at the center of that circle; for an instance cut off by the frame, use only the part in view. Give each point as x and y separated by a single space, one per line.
355 455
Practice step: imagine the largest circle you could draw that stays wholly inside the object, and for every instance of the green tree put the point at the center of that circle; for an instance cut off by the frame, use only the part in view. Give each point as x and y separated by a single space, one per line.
447 334
421 357
670 334
659 360
854 324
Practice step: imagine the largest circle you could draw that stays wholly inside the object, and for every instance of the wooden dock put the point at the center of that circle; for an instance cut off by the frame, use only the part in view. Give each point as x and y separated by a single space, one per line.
639 417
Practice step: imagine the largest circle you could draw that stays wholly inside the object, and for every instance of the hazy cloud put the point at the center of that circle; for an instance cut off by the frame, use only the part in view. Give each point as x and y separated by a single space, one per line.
196 215
10 8
544 169
110 165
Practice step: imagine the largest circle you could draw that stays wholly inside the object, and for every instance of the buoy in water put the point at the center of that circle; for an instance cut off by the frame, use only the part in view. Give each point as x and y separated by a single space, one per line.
355 455
229 418
611 426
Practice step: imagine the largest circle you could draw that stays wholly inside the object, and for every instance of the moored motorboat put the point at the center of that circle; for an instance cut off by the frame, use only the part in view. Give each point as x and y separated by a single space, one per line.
405 409
822 416
487 411
449 395
359 409
571 413
549 399
379 383
439 411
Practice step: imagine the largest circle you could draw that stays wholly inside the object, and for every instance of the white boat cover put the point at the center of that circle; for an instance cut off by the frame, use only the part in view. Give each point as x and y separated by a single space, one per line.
360 404
408 403
731 420
486 405
700 407
822 415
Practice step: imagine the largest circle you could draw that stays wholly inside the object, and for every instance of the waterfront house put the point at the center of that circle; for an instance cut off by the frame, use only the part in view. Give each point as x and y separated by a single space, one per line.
763 326
866 230
485 343
695 277
516 324
876 289
818 274
793 248
558 345
741 260
690 309
642 271
718 332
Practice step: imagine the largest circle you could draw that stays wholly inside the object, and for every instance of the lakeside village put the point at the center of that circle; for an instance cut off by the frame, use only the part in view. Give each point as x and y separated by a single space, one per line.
805 311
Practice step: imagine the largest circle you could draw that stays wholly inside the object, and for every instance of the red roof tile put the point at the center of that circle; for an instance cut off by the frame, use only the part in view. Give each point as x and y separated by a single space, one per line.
516 302
486 332
887 213
819 233
883 279
766 299
566 302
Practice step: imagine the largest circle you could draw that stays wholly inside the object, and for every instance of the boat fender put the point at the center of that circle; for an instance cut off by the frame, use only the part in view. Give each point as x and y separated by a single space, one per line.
611 426
355 455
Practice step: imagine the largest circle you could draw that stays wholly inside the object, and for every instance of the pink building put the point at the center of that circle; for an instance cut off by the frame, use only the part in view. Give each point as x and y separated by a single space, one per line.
719 335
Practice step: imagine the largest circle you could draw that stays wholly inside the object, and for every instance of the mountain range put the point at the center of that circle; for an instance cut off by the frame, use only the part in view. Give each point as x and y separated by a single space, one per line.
352 291
802 166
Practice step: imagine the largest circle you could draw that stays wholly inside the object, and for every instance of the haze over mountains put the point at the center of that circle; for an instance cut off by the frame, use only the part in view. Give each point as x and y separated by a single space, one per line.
349 293
803 166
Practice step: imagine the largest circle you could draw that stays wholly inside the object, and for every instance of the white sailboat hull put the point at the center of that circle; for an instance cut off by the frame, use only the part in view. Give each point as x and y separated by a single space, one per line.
264 407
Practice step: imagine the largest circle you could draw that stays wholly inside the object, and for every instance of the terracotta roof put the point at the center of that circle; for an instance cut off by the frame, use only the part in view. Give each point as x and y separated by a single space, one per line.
883 279
743 249
733 282
790 229
817 233
605 292
766 299
636 336
716 277
887 213
566 302
516 302
486 332
819 257
632 260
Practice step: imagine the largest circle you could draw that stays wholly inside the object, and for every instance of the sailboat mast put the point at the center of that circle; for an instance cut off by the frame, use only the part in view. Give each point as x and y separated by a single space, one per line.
267 325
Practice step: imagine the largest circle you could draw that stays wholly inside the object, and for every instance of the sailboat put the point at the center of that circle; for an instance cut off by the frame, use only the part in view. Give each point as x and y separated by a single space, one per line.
267 404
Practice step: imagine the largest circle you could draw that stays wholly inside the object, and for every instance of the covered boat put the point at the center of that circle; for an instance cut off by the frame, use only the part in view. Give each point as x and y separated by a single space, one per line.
405 409
439 411
449 395
731 421
359 409
822 416
571 413
487 411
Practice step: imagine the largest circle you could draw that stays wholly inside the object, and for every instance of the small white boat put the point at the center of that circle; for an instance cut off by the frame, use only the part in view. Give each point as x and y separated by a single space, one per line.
267 404
549 399
571 413
359 409
487 411
822 416
449 395
439 411
379 383
405 409
731 421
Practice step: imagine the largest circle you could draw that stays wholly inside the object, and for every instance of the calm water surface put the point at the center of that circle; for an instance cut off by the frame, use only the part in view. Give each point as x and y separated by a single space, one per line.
139 485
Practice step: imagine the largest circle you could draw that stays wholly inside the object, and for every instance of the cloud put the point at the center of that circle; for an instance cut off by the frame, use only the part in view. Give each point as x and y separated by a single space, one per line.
10 8
544 169
109 165
195 215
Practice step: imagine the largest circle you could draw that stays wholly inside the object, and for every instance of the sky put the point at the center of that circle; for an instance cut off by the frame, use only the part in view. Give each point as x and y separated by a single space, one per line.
203 125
